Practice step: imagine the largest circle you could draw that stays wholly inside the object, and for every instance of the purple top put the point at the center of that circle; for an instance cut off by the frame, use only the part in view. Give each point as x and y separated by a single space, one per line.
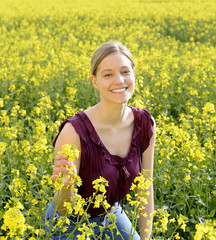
97 161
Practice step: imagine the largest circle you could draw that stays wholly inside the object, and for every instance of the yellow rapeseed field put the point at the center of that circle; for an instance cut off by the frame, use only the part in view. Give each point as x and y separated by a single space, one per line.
45 52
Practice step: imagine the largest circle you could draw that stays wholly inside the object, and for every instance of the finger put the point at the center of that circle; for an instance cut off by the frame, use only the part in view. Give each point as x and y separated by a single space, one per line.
66 180
60 156
64 169
57 170
59 163
54 177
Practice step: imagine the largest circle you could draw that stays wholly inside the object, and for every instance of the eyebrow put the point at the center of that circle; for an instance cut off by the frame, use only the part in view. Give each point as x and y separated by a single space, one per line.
112 69
106 70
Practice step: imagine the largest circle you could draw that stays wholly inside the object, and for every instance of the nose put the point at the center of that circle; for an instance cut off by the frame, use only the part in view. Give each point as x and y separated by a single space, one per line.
119 78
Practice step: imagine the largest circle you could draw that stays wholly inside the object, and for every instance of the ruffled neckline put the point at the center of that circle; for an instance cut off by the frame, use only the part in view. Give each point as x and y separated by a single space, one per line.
115 160
96 139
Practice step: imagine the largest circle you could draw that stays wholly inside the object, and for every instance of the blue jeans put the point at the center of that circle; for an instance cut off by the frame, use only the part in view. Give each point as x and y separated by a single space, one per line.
123 224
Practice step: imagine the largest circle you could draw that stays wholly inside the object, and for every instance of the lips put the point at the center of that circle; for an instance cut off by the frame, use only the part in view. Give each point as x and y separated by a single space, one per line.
119 90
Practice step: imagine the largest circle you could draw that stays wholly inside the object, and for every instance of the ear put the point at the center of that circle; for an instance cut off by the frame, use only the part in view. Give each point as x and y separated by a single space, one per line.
94 81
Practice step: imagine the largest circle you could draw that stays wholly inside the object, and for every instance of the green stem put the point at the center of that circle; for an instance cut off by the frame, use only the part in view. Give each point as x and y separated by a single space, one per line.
54 212
173 232
55 208
78 224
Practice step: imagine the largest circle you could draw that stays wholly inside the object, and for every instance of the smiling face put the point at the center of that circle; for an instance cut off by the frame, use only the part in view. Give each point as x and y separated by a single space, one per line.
115 78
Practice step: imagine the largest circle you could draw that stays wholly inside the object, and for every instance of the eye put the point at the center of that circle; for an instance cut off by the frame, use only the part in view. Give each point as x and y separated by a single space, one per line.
108 75
126 72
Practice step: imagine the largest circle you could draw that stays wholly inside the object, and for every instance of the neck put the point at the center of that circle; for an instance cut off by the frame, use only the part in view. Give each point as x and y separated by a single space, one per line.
113 114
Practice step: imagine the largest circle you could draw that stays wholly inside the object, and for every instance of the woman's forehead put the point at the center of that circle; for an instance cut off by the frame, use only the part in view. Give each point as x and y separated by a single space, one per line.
114 60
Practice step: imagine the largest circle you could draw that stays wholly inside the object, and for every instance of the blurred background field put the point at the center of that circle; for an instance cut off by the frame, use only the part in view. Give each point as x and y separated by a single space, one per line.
45 52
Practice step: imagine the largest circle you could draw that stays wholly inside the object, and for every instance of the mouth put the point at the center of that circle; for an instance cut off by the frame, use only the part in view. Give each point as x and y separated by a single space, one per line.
119 90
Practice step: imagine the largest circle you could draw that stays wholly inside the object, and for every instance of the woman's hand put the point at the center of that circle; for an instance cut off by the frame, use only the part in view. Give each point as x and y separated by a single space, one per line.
64 168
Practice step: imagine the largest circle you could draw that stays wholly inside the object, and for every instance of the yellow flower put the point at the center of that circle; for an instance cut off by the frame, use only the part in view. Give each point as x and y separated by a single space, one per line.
133 186
14 221
78 204
182 220
172 220
34 201
1 102
139 186
31 171
162 216
64 229
206 230
70 151
68 206
177 236
99 200
3 146
18 186
187 178
208 108
86 232
62 220
99 184
12 88
106 204
164 222
149 222
59 183
46 180
78 181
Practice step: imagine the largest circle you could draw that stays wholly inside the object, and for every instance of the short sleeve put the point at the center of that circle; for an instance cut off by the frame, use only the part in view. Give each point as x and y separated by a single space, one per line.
146 133
78 125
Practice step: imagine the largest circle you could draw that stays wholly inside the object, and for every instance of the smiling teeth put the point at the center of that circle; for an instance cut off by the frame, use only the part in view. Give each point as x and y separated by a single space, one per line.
119 90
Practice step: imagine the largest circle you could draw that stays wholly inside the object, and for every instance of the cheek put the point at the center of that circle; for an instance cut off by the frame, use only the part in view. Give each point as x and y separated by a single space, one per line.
133 84
101 85
132 80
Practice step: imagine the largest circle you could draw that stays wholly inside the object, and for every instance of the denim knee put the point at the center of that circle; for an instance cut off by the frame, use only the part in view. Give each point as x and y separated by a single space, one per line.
56 232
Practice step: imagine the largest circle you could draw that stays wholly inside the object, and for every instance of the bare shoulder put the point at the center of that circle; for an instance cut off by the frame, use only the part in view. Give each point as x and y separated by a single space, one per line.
68 135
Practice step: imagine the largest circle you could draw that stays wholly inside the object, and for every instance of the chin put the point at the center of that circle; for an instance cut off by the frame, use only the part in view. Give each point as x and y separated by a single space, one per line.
121 102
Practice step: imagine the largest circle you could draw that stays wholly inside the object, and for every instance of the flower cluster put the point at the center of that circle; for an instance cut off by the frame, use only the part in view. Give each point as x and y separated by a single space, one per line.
100 185
206 230
163 220
141 186
71 152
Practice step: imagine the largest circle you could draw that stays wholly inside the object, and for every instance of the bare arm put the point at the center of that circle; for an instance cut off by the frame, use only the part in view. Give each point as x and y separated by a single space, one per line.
147 163
68 135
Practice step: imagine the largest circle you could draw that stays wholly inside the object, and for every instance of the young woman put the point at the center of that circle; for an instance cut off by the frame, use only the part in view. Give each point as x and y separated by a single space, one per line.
116 141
